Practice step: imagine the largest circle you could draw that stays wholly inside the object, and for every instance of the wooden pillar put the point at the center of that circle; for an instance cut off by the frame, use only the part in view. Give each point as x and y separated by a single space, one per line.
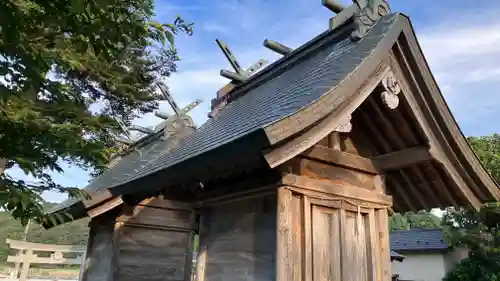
382 217
99 260
82 267
25 269
284 247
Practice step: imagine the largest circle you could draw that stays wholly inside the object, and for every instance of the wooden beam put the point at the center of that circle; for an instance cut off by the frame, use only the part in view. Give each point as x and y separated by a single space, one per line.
158 202
433 172
384 243
383 141
333 6
277 47
336 189
42 260
402 158
340 158
3 164
188 263
307 239
230 57
39 247
201 259
423 194
344 16
101 209
396 131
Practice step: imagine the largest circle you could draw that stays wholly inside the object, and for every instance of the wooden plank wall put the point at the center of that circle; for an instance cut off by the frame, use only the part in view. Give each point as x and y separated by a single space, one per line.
154 241
332 216
238 240
336 159
323 239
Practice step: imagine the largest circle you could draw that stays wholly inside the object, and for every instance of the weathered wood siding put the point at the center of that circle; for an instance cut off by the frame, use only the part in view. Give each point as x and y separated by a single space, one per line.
332 218
238 240
99 261
342 167
154 242
329 239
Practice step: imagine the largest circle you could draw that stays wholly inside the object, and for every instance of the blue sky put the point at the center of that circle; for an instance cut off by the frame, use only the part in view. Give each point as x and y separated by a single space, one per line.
460 39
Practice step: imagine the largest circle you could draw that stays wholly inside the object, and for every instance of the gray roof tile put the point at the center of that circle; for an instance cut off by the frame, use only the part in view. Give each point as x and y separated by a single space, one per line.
283 88
296 86
417 240
129 164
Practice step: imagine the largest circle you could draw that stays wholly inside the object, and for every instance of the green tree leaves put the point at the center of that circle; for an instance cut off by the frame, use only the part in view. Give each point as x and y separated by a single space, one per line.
58 60
420 220
487 149
479 231
479 266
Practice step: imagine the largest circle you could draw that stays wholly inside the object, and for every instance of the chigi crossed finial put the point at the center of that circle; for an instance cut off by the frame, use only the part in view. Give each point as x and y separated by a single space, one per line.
364 13
239 74
170 123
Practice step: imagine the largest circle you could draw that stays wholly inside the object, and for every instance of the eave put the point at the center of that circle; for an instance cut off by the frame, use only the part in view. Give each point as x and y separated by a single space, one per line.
439 142
462 179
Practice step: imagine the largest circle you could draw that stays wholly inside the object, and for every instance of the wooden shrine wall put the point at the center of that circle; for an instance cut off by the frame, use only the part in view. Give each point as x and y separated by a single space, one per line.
238 240
332 219
321 239
150 241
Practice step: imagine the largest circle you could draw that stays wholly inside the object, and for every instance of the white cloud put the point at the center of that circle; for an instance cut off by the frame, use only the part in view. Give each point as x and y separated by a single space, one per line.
215 27
465 59
484 74
449 44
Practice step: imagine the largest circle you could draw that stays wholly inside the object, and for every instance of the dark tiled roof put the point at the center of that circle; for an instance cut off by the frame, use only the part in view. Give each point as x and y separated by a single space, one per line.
296 81
418 240
142 153
282 89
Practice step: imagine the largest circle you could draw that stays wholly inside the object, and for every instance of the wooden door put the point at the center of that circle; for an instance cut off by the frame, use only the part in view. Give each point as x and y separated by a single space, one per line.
344 244
331 239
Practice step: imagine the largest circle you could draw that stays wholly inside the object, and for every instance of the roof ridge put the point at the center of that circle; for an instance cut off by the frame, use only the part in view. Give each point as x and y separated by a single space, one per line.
269 72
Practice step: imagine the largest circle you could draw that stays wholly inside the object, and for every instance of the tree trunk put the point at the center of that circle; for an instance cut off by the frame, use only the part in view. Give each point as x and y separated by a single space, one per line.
3 163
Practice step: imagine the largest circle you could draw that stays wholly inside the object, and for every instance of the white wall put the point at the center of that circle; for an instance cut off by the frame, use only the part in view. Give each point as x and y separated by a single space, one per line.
420 267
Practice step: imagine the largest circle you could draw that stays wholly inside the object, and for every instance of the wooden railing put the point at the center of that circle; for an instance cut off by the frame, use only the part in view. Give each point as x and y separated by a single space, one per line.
28 254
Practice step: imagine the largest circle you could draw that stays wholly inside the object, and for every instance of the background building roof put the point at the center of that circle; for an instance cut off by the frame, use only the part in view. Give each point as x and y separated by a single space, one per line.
418 240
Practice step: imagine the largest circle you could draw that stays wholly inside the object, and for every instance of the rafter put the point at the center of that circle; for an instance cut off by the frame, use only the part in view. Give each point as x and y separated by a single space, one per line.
402 158
384 142
409 93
